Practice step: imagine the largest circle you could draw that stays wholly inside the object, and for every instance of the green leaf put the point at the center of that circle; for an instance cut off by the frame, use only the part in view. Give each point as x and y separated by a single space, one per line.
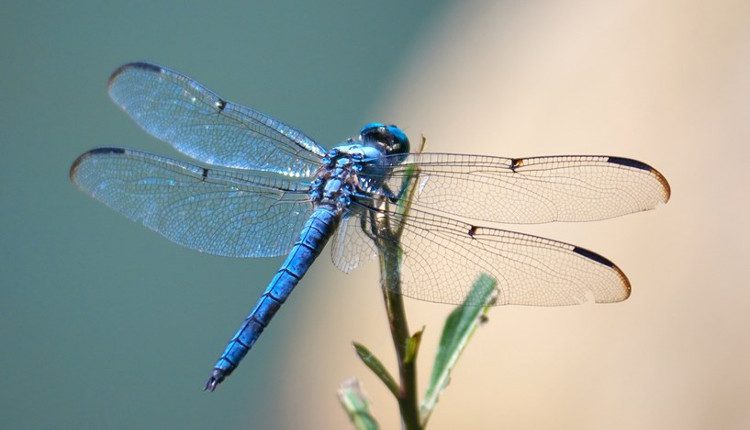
412 346
377 368
356 405
459 327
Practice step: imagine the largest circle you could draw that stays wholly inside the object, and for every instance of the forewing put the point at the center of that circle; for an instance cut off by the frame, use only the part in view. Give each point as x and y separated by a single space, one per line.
200 124
223 212
531 190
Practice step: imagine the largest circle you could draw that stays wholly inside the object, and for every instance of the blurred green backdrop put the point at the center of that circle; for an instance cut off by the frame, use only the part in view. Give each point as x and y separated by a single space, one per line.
103 323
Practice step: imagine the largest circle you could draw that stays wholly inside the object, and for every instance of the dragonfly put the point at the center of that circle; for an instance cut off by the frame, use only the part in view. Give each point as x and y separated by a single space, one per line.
262 188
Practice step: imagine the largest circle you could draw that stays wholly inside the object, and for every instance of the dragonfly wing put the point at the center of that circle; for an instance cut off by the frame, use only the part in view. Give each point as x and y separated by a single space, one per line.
532 190
202 125
351 246
223 212
442 257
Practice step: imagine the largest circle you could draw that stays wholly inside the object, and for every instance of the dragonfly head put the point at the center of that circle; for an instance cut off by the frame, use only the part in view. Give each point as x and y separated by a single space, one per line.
389 138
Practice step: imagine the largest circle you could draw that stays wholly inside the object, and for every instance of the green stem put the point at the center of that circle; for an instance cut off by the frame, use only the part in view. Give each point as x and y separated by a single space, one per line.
394 306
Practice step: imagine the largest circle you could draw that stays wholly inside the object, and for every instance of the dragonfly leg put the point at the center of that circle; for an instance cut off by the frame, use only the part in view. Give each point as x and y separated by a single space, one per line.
368 230
393 197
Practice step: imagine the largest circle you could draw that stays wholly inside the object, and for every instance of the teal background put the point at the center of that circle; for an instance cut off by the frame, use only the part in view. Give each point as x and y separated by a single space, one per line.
103 323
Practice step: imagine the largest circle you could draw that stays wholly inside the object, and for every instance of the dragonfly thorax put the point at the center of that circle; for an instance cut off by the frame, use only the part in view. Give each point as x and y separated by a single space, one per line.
336 179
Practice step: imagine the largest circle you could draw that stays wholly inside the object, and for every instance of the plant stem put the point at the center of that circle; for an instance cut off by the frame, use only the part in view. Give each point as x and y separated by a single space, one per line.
394 306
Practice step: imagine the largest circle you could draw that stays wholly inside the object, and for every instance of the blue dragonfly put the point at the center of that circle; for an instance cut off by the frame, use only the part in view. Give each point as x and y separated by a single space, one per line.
265 189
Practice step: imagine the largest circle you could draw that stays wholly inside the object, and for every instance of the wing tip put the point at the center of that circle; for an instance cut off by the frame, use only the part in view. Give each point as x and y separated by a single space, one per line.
627 288
142 65
591 255
665 185
629 162
72 173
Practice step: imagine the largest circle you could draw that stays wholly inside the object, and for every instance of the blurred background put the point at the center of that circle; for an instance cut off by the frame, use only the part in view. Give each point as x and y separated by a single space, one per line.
104 324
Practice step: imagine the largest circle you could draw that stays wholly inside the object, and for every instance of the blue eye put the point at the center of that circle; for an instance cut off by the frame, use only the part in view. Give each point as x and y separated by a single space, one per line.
400 143
389 137
369 127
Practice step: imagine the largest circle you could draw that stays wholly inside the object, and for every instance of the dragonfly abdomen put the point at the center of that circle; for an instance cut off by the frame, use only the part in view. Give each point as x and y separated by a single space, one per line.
312 239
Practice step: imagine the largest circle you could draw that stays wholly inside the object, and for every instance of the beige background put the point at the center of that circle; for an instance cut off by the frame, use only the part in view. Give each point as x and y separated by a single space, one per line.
665 83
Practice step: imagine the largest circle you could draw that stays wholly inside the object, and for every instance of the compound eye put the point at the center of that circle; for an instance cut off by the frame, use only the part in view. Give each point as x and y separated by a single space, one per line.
376 133
399 143
371 128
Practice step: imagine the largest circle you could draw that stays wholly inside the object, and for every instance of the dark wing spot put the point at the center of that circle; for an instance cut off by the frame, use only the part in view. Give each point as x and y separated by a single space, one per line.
137 65
472 230
204 174
221 104
107 151
629 162
516 163
593 256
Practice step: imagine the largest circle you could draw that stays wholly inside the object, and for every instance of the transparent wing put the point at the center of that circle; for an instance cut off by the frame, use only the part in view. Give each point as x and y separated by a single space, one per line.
200 124
531 190
441 259
350 245
223 212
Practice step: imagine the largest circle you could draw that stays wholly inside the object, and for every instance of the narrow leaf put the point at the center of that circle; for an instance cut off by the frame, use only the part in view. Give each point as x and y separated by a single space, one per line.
459 327
356 405
377 368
